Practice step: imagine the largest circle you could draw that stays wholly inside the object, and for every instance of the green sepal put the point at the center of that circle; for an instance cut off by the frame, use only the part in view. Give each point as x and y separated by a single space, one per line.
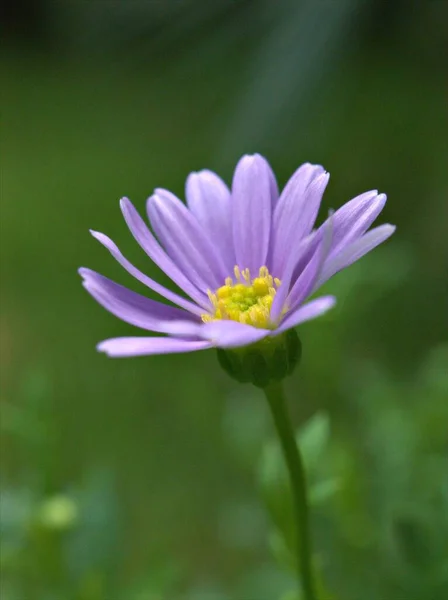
263 363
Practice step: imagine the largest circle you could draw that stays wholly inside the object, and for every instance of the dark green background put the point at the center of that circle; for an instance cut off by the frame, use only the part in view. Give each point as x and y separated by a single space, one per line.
105 99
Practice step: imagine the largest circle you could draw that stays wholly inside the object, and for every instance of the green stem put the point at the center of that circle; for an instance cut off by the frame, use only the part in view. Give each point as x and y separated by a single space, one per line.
276 398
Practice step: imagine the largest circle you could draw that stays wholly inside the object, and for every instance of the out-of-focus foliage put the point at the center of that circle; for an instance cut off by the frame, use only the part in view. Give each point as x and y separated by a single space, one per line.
142 479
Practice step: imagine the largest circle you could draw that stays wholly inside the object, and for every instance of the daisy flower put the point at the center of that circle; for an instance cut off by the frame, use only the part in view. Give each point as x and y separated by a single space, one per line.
246 260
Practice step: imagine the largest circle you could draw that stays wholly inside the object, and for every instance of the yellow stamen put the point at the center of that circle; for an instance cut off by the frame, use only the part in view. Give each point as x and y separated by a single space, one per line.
246 275
244 299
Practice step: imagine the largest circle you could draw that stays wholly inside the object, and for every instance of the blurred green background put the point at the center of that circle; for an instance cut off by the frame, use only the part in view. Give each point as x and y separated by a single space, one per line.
141 479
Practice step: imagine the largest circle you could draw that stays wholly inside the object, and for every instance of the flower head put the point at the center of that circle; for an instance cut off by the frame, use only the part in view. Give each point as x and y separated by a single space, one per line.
246 259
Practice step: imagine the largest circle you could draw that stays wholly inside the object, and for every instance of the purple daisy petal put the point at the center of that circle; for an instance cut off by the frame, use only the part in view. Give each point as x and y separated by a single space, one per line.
149 244
231 334
185 241
354 251
273 185
281 296
208 198
153 285
143 346
251 211
306 312
350 222
132 307
305 283
305 252
221 333
353 219
296 212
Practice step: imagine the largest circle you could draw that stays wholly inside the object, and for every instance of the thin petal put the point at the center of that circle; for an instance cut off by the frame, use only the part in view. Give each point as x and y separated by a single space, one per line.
354 251
185 241
306 280
305 252
306 312
153 249
305 283
131 307
293 285
143 346
208 198
231 334
251 211
281 296
296 212
222 333
355 217
273 185
350 222
153 285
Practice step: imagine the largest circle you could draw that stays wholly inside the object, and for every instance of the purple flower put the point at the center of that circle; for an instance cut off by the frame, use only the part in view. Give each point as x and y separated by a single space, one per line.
247 259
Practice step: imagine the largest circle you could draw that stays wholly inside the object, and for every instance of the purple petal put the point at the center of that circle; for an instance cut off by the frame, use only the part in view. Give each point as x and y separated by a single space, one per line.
281 296
221 333
184 329
231 334
354 218
251 211
142 346
150 245
354 251
185 241
305 283
306 251
208 198
306 280
349 222
273 186
131 307
153 285
308 311
296 212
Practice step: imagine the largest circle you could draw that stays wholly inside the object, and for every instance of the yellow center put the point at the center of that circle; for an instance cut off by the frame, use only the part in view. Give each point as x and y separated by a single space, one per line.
244 299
